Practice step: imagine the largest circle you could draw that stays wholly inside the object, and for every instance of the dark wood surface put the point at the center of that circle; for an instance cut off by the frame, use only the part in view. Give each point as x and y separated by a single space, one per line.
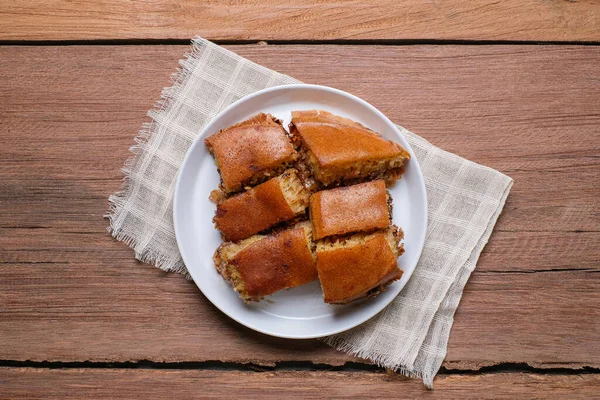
73 298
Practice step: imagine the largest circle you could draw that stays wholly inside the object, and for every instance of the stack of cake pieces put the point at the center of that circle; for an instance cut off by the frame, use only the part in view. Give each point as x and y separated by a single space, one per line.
333 166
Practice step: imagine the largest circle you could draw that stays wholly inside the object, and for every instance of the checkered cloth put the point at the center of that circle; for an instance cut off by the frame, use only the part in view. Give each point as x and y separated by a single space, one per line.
464 199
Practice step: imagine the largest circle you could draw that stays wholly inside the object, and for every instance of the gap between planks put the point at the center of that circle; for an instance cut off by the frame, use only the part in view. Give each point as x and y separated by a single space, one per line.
335 42
216 365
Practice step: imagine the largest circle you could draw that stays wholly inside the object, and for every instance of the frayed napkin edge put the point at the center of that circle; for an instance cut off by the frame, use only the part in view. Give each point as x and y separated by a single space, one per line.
178 80
382 360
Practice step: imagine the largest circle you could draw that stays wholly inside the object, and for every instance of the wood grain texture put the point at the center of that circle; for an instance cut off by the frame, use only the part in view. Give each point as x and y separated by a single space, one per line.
537 20
29 383
128 311
543 319
71 293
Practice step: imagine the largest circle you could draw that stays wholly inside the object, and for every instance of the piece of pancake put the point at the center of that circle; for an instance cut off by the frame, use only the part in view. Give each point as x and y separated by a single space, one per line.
277 200
358 266
363 207
251 152
262 265
338 150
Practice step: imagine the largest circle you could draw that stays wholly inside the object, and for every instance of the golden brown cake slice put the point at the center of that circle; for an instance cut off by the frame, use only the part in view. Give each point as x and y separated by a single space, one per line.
278 199
262 265
250 152
358 266
339 150
358 208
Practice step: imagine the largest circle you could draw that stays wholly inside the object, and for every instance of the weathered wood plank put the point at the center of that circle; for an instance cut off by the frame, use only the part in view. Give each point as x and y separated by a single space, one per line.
301 20
120 310
71 293
21 383
508 316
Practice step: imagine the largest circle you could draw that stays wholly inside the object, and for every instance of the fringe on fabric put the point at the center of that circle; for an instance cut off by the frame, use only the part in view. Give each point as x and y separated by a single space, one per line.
116 201
381 360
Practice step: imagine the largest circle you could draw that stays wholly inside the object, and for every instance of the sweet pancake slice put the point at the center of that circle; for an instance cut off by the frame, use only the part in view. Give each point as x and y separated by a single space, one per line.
277 200
251 152
358 266
363 207
262 265
340 151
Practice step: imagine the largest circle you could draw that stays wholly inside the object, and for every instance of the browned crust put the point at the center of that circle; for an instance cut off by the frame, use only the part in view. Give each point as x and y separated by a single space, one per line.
251 152
358 208
271 263
339 151
379 287
358 268
256 210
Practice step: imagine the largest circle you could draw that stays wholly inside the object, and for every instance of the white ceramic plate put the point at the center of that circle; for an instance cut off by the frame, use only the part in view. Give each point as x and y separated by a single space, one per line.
298 313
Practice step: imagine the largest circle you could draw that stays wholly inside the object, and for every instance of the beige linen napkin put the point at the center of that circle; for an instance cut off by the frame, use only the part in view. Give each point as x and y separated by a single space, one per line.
464 198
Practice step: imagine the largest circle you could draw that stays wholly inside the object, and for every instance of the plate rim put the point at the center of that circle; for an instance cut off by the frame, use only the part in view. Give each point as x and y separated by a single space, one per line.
297 86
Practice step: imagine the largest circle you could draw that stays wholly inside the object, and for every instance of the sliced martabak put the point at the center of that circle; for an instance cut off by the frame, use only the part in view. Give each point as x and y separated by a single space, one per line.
262 265
358 266
251 152
277 200
338 150
363 207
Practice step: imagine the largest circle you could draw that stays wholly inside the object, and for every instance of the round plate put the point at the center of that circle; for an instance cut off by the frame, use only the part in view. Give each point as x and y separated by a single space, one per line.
298 313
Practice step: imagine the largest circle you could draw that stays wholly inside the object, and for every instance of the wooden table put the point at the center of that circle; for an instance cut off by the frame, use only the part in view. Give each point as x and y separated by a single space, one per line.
514 85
